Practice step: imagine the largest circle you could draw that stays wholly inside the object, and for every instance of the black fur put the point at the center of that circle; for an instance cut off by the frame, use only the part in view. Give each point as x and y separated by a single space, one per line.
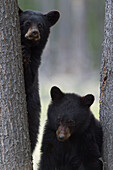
82 149
32 47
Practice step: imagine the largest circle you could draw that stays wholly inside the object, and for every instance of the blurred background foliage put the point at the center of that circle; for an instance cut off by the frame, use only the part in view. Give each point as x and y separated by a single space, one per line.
71 59
80 28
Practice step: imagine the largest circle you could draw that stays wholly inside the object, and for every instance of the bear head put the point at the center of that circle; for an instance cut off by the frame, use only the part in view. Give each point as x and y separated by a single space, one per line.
68 113
35 26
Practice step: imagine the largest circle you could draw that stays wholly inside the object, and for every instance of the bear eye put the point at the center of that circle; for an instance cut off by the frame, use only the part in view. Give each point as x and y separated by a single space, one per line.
60 119
27 23
71 123
39 25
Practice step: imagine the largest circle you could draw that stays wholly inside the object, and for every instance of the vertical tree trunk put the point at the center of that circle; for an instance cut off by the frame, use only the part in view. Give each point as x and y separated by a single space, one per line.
14 138
106 87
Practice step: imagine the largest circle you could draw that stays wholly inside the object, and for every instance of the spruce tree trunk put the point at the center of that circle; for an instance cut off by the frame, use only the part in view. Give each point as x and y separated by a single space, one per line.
14 137
106 87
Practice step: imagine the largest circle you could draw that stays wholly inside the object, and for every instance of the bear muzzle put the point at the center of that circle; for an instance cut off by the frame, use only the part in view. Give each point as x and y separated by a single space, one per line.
33 34
63 133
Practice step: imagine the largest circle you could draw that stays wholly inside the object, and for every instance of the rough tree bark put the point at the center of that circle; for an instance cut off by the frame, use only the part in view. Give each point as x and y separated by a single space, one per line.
106 87
14 138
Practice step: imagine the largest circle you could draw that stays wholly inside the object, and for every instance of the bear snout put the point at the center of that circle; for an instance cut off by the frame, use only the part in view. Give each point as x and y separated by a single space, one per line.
63 133
33 34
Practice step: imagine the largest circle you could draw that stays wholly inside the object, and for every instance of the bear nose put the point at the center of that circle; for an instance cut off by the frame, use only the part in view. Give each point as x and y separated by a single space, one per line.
34 32
61 137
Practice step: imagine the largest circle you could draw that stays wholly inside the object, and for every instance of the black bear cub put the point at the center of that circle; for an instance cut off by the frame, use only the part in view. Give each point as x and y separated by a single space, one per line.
73 137
35 29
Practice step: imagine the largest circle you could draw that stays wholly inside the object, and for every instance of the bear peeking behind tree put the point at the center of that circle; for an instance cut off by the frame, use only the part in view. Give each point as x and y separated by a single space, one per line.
73 137
35 29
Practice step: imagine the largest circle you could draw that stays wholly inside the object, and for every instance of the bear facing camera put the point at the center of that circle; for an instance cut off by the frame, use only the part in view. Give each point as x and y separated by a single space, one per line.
35 29
73 136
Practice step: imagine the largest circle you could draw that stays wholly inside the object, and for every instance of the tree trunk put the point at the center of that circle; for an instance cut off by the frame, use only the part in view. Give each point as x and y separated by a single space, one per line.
106 87
14 137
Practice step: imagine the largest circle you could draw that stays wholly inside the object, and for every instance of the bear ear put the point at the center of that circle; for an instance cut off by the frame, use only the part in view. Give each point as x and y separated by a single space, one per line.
53 17
56 93
20 11
88 100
